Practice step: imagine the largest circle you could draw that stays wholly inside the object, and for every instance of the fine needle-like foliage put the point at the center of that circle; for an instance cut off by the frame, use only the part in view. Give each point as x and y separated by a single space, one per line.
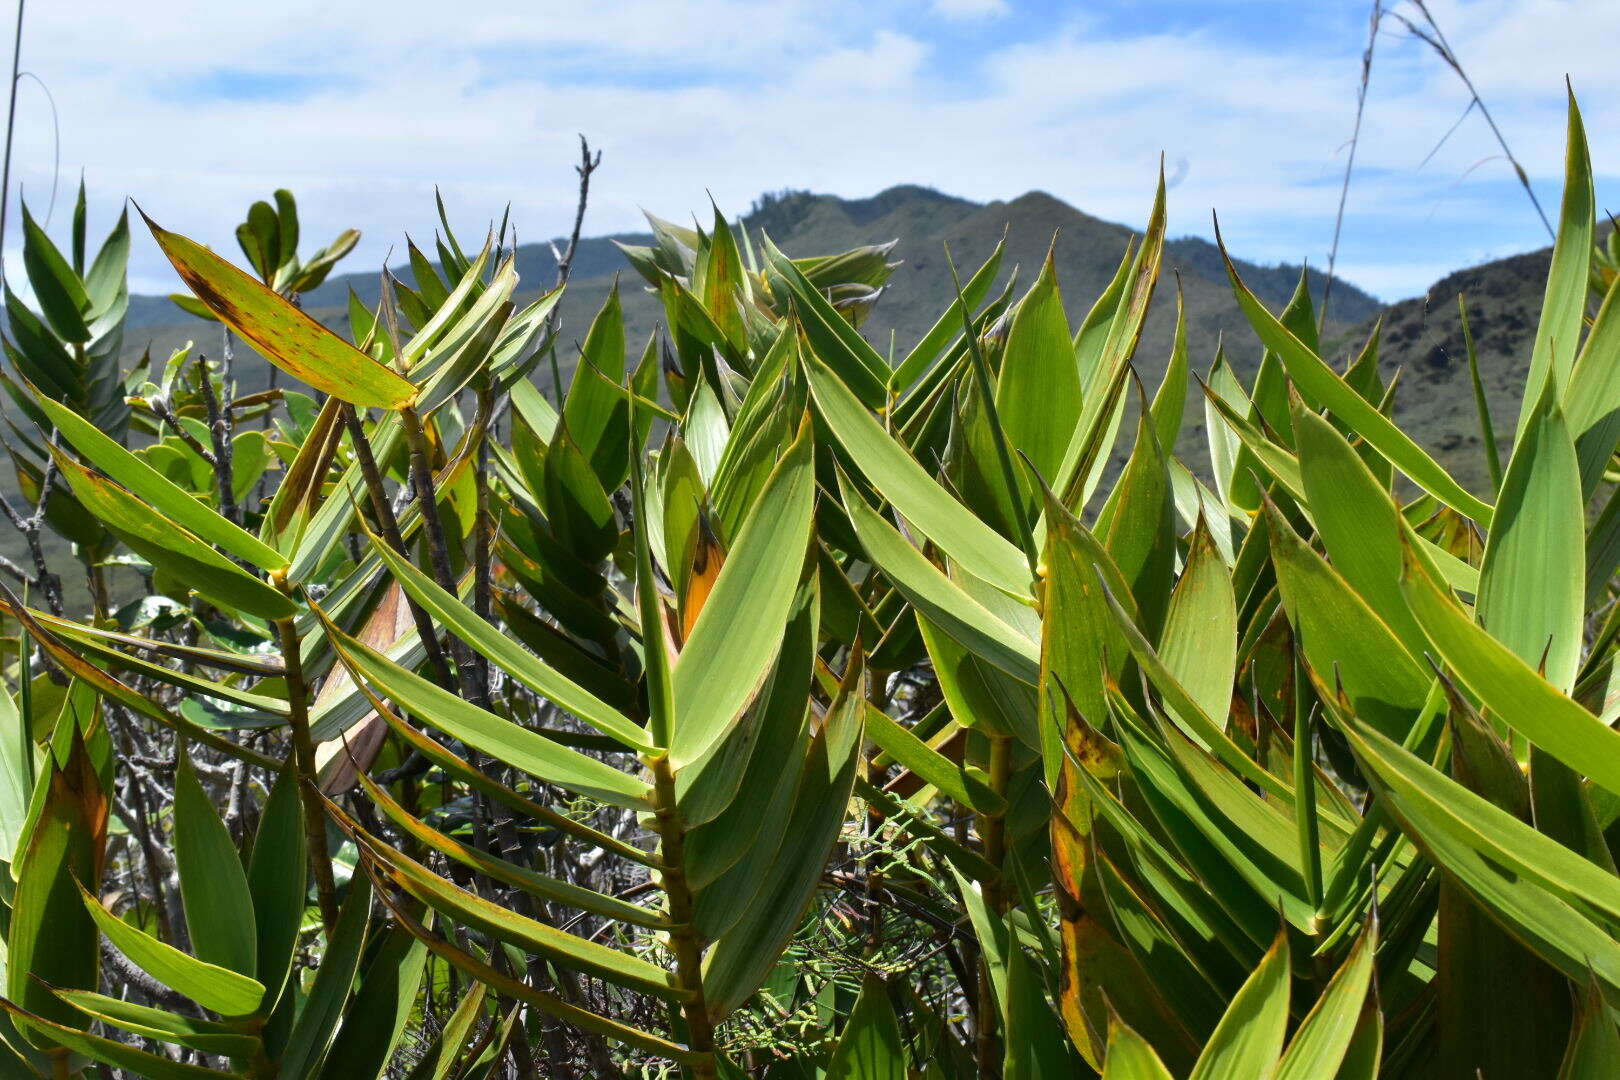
764 703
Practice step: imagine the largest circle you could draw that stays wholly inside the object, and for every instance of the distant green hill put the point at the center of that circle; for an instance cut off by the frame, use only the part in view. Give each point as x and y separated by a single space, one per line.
923 221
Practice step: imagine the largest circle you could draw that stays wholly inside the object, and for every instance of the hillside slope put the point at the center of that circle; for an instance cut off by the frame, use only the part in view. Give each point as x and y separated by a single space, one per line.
1088 250
1422 337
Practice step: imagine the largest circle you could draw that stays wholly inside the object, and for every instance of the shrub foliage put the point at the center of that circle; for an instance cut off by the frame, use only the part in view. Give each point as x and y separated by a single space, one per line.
766 704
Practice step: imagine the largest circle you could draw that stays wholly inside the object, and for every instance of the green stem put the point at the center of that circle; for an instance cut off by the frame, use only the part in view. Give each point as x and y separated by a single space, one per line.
993 835
303 755
683 939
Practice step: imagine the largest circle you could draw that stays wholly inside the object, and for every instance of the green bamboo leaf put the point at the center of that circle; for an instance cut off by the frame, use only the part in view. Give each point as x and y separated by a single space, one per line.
323 1010
745 955
935 596
509 656
1513 692
205 1036
1563 307
739 629
1199 643
980 550
213 885
1323 388
109 1051
1324 1037
501 738
209 985
1249 1037
1357 519
168 546
1548 896
1038 386
277 880
50 939
467 909
280 332
1130 1057
930 765
1594 1043
870 1047
58 289
1341 632
1528 598
541 885
375 1019
157 490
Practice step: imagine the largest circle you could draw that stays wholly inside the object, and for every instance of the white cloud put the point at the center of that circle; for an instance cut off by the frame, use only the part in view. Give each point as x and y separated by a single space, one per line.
970 9
687 97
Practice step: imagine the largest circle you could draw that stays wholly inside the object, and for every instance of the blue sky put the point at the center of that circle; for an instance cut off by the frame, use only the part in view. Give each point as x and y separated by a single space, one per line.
362 106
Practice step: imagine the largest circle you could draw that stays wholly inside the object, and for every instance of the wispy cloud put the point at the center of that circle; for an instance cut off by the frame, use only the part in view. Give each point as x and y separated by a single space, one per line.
363 107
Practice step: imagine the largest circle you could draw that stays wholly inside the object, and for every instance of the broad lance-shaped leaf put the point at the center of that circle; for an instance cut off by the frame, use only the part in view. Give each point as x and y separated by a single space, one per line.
1105 377
1324 1037
1530 597
1038 386
1513 692
207 1036
1341 633
170 547
467 909
520 877
50 937
500 738
1357 520
1322 387
744 956
871 1047
1250 1036
1131 1057
1200 639
209 985
1563 307
509 656
1541 892
740 627
133 1061
213 884
157 490
374 1019
938 598
278 879
280 332
930 765
931 509
323 1009
501 983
